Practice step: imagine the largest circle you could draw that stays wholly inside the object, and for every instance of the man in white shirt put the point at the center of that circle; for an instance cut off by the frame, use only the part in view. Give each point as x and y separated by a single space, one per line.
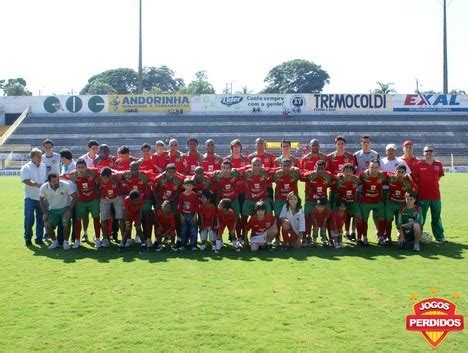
391 161
57 199
93 148
67 163
33 174
50 158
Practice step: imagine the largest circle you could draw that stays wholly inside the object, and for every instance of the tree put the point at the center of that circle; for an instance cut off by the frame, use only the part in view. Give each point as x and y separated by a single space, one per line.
200 85
244 90
15 87
457 91
123 80
161 79
296 76
99 87
384 88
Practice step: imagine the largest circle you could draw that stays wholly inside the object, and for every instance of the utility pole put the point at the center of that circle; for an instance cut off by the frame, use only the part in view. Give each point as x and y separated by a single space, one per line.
140 58
445 50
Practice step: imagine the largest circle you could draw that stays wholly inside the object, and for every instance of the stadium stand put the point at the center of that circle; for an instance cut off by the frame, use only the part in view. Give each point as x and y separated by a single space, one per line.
447 132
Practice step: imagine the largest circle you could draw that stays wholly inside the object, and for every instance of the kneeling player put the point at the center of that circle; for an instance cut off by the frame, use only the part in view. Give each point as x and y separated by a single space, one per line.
409 223
262 226
336 223
133 213
227 218
165 226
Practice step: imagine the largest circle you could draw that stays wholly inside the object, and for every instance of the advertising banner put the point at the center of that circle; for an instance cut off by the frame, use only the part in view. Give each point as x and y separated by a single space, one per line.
161 103
350 103
425 103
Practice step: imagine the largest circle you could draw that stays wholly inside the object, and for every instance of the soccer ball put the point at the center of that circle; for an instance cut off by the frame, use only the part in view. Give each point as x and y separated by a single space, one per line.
426 238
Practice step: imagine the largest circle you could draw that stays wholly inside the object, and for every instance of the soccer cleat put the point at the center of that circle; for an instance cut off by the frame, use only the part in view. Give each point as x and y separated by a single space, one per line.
388 242
181 248
442 240
105 243
128 243
84 238
66 245
174 248
28 242
76 244
39 242
143 246
54 245
115 237
360 242
353 236
365 242
149 243
416 248
337 245
97 243
137 240
348 236
194 248
202 247
158 247
381 240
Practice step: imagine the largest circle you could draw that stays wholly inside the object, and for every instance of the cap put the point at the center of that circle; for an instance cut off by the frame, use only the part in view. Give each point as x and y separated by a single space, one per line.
170 166
260 140
408 142
428 148
390 146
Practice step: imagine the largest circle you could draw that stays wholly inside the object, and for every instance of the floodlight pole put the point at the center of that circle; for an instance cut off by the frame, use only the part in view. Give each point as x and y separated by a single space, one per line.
445 50
140 58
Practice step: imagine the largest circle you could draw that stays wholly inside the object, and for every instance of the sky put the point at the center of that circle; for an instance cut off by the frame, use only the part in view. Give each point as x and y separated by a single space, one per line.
57 45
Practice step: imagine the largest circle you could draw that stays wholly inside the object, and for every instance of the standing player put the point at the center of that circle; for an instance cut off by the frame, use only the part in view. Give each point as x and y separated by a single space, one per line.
207 219
192 158
309 160
267 159
336 223
372 199
399 183
286 154
93 147
262 226
365 154
285 181
146 161
337 159
159 158
319 218
124 159
50 158
87 183
67 164
133 212
427 175
188 210
410 222
174 156
389 163
104 159
211 161
408 156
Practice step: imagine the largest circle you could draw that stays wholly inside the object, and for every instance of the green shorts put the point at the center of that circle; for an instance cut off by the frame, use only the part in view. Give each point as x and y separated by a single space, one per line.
353 208
56 217
147 205
83 207
236 207
308 207
278 207
248 207
391 210
377 209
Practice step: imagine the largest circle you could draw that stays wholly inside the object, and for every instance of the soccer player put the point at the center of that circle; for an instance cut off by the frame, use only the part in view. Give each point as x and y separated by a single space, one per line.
207 219
262 227
292 221
267 159
50 158
57 199
410 159
192 158
33 175
286 154
286 181
373 181
399 184
427 175
93 147
67 165
159 157
201 181
337 159
86 180
146 161
410 222
365 154
165 226
319 218
174 156
256 180
317 184
104 159
227 218
188 209
211 161
111 196
141 181
167 186
346 185
307 163
124 159
133 213
336 223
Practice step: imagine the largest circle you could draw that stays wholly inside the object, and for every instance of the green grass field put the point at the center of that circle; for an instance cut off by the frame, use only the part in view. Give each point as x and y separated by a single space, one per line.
346 300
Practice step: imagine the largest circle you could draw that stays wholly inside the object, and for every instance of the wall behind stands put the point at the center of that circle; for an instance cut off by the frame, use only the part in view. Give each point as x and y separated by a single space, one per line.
238 104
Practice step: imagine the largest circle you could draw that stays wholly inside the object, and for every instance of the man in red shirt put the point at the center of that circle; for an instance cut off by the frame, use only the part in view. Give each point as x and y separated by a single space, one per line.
267 159
286 154
133 212
165 225
188 207
262 226
226 218
286 181
192 158
411 160
104 159
319 218
111 196
146 160
307 162
427 175
87 183
201 181
207 219
211 161
123 159
160 157
174 156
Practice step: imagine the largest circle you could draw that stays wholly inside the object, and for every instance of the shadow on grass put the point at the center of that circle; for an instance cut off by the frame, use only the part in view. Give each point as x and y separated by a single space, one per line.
434 251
